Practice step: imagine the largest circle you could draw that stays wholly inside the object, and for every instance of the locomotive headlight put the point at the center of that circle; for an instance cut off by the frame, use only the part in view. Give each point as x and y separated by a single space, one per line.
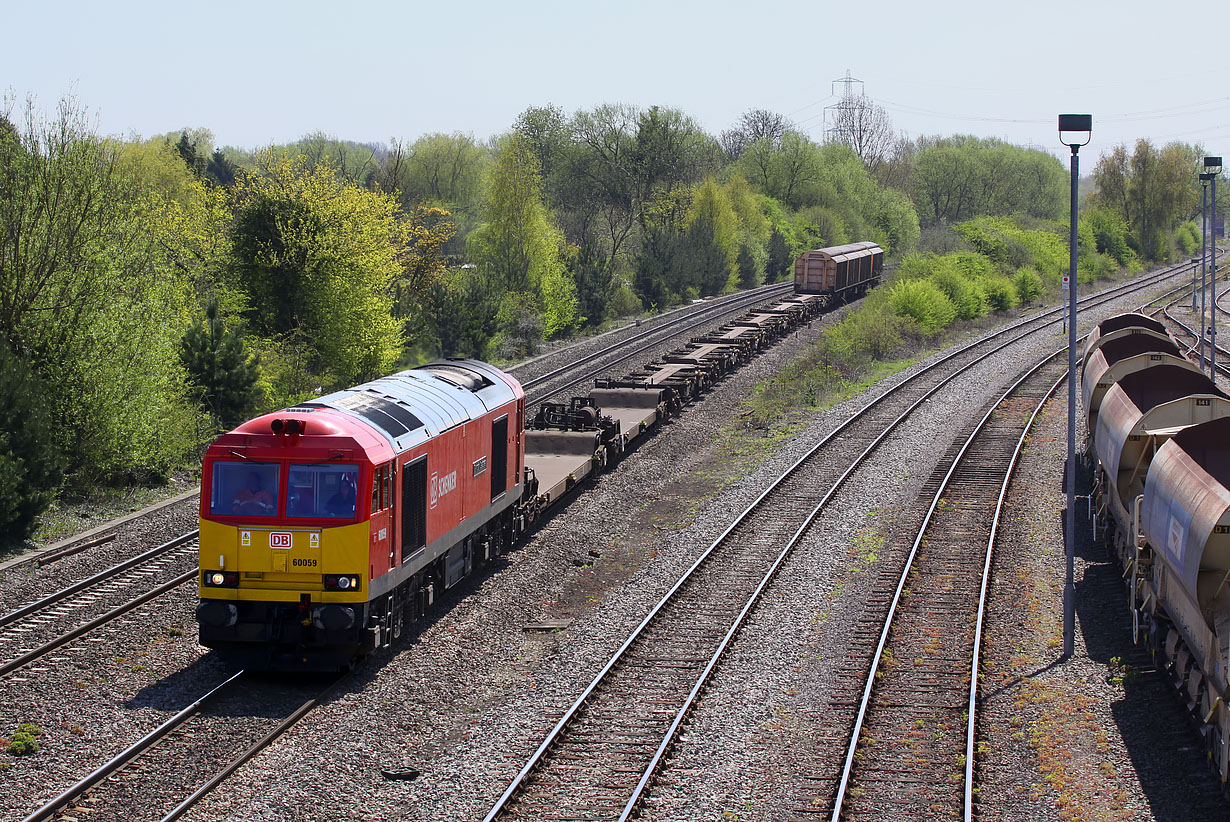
217 578
343 582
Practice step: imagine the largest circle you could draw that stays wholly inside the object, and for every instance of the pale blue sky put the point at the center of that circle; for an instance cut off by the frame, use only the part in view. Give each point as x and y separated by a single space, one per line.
262 72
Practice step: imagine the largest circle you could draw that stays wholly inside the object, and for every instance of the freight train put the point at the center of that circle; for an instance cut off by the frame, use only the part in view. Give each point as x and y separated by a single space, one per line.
1160 441
327 527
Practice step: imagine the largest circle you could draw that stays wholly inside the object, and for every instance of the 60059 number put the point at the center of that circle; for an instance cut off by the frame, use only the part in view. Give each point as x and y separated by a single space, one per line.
310 563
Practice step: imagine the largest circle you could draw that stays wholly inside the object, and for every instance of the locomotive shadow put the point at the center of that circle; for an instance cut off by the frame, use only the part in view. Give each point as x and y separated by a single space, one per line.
1164 748
180 689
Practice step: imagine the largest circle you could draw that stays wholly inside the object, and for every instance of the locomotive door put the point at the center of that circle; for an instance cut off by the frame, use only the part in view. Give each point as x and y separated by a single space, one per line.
499 456
413 507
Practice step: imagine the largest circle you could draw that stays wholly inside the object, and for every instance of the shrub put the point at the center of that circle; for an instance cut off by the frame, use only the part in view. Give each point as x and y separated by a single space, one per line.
1001 293
1110 232
1028 285
924 303
1092 267
1187 238
966 294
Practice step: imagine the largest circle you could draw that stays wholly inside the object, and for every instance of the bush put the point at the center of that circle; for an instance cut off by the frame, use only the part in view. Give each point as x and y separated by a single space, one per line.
967 296
924 303
30 462
1187 238
1001 293
1110 232
1028 285
1092 267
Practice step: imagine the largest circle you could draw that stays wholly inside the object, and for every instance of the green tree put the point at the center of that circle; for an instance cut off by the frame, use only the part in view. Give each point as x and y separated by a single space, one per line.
780 261
219 367
712 238
320 256
518 246
89 296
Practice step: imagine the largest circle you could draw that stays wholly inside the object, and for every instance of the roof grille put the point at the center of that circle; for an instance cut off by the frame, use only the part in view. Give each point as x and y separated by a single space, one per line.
386 415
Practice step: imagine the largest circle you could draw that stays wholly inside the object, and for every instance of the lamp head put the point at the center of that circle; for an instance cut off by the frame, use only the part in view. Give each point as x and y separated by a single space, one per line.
1076 127
1212 164
1208 175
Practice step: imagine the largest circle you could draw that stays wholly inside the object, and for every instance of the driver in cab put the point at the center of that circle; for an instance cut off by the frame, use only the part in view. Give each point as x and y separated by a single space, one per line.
252 498
341 504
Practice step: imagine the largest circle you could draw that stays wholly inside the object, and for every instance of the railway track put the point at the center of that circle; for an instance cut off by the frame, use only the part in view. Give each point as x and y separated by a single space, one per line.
163 774
38 628
910 745
601 756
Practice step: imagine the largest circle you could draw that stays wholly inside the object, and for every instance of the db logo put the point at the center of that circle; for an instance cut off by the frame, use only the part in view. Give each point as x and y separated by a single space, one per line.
280 539
441 486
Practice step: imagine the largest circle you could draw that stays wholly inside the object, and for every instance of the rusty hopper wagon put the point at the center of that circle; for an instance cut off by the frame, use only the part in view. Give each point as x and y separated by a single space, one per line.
840 273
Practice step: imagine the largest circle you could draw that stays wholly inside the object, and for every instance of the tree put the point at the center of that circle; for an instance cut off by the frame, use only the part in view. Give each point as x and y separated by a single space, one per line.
518 246
780 260
320 256
754 125
444 169
89 295
30 461
1151 190
863 126
220 170
713 238
219 366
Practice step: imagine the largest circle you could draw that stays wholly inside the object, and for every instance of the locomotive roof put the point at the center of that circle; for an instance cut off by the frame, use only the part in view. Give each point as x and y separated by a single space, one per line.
419 403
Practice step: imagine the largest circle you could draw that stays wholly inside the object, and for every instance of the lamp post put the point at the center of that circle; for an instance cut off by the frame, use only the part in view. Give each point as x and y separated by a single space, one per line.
1078 129
1212 166
1204 260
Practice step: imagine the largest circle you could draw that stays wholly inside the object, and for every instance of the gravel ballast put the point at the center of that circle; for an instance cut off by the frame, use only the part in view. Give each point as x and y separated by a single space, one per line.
466 698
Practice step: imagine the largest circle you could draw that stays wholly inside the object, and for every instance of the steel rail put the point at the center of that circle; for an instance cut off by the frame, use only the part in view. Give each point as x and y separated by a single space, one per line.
982 594
539 754
126 756
84 628
258 746
722 307
622 358
907 566
101 576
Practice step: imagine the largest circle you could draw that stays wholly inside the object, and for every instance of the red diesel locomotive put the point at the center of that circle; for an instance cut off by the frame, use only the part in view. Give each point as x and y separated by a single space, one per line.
326 526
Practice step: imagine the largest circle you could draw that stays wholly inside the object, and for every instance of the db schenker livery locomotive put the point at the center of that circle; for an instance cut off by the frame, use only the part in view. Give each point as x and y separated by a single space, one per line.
325 526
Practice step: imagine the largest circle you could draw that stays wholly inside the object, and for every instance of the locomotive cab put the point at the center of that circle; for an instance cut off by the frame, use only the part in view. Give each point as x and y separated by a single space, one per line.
285 559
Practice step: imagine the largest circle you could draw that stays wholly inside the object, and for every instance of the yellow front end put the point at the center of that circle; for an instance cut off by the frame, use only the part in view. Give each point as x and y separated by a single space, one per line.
274 596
